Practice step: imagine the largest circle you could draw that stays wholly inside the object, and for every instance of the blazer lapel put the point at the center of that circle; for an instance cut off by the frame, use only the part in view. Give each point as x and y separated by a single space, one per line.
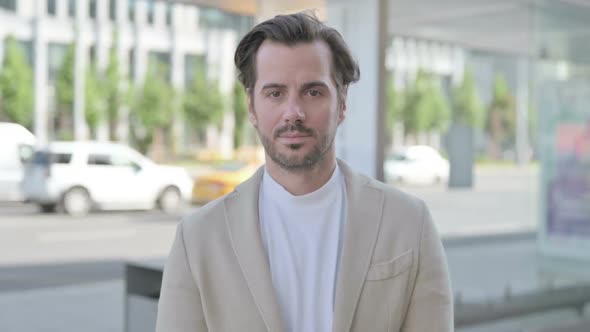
364 213
243 224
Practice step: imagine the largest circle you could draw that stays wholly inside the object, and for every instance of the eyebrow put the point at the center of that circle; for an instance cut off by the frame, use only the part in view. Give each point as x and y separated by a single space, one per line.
273 86
305 86
314 84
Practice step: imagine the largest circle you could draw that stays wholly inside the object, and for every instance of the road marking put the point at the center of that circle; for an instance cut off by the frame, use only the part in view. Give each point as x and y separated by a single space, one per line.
87 235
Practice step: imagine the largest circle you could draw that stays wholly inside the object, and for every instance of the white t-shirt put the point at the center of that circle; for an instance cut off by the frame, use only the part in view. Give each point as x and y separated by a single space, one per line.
302 236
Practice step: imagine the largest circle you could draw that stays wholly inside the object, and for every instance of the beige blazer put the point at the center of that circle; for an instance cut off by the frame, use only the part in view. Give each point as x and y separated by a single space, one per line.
393 274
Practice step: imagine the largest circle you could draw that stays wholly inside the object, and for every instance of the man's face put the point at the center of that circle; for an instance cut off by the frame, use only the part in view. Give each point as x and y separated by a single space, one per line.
294 103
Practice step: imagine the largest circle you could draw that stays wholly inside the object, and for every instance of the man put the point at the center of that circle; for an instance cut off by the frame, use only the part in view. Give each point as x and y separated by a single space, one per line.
306 244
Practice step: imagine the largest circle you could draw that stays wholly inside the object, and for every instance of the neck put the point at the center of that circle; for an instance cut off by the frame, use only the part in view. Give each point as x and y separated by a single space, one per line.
306 181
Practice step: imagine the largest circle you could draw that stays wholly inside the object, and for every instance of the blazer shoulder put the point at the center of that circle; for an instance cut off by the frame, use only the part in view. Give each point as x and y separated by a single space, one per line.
393 195
205 219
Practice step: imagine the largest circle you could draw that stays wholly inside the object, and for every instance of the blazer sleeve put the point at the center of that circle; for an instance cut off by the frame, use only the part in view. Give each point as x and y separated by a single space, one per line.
179 308
431 303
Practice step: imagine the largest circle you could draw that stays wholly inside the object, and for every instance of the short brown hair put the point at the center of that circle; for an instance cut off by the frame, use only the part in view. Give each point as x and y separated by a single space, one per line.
303 27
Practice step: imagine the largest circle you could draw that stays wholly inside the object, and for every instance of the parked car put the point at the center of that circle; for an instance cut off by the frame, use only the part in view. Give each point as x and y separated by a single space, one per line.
221 181
80 176
417 164
16 147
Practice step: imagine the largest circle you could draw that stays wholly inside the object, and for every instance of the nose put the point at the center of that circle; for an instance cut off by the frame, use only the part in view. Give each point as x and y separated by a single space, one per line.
293 111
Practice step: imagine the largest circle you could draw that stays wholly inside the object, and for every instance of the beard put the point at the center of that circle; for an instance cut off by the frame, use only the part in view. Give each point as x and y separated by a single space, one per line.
295 163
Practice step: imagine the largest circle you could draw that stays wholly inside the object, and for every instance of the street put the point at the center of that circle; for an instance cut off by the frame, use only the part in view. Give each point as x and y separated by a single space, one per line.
29 237
503 200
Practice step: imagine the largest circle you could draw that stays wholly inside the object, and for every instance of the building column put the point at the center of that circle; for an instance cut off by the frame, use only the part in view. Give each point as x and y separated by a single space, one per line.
522 112
178 70
361 137
61 7
41 101
102 46
80 128
123 48
226 79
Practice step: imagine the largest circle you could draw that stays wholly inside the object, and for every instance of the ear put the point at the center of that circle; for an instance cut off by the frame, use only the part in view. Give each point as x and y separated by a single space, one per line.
342 106
251 113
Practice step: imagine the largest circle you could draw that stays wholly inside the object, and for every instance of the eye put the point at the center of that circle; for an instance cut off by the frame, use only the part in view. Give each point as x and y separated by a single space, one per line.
274 94
314 93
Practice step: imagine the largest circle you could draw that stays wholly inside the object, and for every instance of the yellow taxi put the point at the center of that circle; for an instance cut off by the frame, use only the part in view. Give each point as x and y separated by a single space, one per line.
221 181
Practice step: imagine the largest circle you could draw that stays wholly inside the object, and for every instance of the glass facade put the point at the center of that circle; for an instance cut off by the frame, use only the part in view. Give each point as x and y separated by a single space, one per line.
51 7
561 93
8 4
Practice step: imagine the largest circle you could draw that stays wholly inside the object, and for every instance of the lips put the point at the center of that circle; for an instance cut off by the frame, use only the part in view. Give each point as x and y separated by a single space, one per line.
293 135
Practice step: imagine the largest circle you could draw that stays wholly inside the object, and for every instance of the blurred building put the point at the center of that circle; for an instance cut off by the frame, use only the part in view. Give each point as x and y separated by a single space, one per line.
178 33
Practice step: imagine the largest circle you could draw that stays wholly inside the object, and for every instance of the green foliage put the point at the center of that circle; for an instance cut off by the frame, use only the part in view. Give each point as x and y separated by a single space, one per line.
501 117
467 105
64 90
240 113
395 104
95 105
64 83
425 107
203 101
114 97
154 103
16 86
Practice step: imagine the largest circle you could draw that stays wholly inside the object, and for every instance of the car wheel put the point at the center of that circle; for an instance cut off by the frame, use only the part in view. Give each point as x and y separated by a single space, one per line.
76 202
47 208
170 200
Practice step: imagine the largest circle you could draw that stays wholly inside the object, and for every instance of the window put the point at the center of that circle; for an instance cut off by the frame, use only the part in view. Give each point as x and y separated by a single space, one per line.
99 160
72 8
51 7
132 64
8 4
46 158
113 10
121 160
168 14
115 160
131 10
92 8
150 12
57 54
92 54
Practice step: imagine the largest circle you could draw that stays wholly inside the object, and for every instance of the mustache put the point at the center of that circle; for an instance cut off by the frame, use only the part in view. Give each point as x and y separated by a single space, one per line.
295 127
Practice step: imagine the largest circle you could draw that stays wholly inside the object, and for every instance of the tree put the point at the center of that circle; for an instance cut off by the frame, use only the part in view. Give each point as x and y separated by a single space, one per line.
468 108
16 86
203 102
64 89
501 118
240 113
95 105
425 106
114 96
153 107
394 105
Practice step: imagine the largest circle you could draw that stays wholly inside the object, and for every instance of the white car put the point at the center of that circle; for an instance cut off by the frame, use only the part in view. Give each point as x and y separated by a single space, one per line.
417 164
80 176
16 147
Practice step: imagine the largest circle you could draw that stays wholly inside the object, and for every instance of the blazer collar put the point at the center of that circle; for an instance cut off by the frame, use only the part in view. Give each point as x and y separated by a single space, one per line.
360 234
244 228
363 220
